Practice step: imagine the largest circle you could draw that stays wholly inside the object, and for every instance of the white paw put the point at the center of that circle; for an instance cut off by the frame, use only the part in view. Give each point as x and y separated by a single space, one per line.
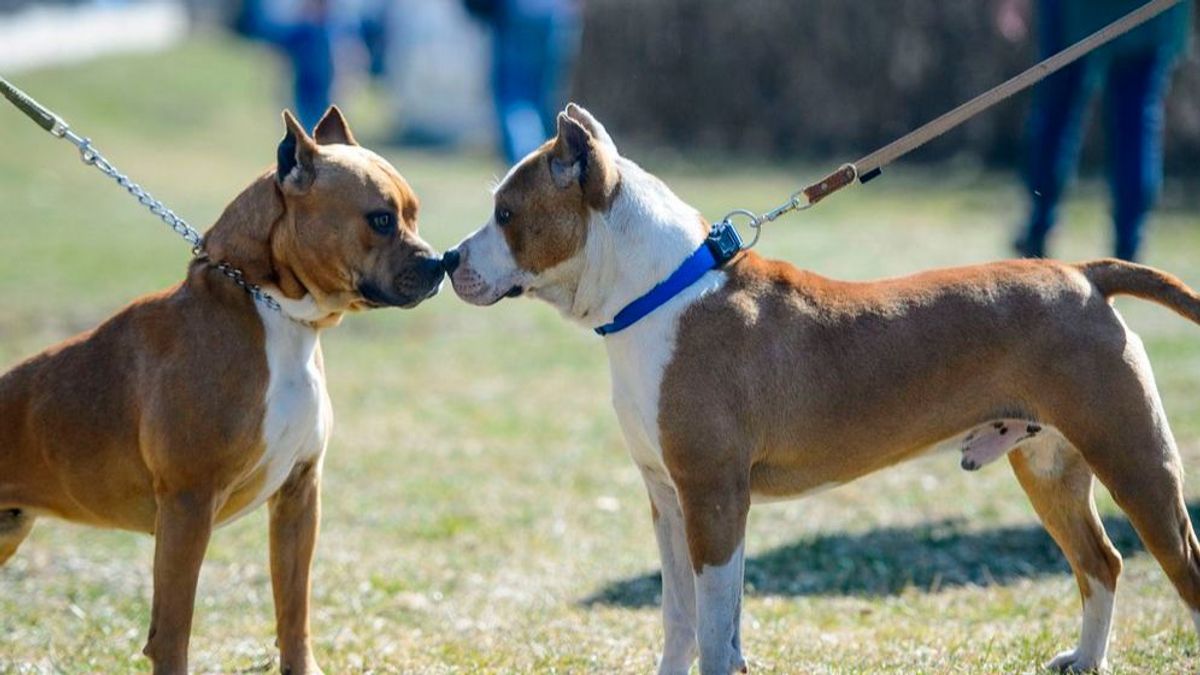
1072 661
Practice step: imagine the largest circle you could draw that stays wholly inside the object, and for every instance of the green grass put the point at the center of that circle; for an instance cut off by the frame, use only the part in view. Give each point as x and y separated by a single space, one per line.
480 512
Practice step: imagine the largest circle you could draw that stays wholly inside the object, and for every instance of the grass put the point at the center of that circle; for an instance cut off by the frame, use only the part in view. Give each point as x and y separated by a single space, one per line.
480 512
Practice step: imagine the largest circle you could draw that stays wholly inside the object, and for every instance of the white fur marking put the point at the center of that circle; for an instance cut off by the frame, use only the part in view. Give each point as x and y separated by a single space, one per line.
637 358
1093 635
488 269
1045 456
718 610
298 415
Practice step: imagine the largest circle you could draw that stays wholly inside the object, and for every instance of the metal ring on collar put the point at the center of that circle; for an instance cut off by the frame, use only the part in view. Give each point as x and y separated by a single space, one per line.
755 222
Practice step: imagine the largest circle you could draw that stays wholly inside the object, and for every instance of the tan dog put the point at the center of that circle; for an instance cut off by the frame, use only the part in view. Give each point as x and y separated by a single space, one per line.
760 381
195 405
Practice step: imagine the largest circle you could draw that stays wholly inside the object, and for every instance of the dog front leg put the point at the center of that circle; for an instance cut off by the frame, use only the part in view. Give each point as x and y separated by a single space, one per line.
181 533
679 589
295 516
715 513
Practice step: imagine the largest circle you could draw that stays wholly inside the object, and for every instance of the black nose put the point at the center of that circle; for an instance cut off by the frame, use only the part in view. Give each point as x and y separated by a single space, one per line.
450 261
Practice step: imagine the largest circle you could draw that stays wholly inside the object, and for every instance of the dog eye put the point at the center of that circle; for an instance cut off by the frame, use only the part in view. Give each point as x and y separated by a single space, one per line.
383 222
503 215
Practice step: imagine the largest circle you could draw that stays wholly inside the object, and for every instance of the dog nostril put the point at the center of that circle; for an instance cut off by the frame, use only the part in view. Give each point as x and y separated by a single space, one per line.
450 260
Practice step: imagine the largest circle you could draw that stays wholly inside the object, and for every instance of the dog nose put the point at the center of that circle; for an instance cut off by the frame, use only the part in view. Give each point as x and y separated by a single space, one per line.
450 261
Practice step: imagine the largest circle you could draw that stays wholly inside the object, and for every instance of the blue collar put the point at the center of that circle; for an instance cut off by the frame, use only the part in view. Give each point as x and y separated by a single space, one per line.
717 249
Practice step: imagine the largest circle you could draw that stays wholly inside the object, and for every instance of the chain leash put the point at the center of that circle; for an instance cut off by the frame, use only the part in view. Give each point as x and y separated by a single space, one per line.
92 157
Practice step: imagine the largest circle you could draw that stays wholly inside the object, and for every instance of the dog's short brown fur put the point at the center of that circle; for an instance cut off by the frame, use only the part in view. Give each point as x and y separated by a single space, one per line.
155 420
1031 339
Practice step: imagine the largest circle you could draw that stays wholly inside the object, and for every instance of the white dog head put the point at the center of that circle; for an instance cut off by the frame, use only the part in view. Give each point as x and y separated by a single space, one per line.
535 240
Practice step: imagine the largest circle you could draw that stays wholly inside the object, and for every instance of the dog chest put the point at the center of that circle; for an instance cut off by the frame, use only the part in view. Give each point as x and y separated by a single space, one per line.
298 415
638 357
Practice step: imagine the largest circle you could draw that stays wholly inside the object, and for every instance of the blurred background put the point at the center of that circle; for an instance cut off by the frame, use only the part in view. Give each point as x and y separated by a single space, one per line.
480 511
774 79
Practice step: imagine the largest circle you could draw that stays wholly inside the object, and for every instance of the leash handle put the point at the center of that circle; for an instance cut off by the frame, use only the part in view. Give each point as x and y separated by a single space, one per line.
830 184
36 111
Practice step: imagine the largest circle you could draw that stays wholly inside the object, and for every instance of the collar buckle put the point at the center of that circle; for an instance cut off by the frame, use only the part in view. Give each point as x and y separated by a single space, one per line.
724 242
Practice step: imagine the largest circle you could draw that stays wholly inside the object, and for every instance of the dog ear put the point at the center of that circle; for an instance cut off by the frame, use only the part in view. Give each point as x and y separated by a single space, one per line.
568 158
593 126
333 128
295 156
577 158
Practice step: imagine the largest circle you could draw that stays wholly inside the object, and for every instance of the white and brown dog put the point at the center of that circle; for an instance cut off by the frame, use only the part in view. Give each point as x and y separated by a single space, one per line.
759 381
195 405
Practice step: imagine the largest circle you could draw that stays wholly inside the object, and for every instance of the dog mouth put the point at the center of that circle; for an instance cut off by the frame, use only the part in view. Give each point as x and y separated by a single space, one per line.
473 289
371 296
433 290
514 292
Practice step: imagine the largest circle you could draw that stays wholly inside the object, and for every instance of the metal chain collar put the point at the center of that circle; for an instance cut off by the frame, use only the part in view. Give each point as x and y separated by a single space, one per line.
91 156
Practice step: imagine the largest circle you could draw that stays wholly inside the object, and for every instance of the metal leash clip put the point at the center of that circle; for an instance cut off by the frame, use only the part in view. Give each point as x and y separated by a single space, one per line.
797 202
800 200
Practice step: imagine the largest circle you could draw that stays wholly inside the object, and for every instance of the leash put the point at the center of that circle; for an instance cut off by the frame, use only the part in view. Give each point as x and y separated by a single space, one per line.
871 166
58 128
724 243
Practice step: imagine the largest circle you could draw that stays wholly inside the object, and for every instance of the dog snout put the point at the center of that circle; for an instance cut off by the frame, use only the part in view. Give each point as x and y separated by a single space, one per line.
429 272
450 260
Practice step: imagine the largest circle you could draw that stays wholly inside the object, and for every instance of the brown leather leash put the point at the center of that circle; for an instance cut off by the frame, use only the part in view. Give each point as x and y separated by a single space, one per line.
871 166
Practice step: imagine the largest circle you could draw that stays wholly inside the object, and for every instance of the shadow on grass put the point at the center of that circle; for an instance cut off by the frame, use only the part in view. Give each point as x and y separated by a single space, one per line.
887 561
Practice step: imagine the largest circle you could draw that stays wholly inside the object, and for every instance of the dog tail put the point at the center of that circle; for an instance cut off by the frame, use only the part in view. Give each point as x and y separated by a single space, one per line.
1117 277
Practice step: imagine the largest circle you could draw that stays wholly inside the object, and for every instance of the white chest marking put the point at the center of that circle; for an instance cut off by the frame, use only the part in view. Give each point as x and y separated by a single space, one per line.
637 357
298 416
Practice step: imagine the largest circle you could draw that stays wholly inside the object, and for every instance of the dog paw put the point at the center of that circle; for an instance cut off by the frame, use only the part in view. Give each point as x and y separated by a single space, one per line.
1072 661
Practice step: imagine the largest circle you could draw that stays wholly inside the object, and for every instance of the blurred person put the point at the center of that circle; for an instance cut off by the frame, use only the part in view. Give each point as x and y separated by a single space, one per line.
302 31
1135 72
307 32
375 37
534 44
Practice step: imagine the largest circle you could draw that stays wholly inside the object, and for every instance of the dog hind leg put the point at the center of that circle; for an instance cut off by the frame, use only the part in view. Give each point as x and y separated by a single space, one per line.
1126 440
1060 489
15 525
1149 489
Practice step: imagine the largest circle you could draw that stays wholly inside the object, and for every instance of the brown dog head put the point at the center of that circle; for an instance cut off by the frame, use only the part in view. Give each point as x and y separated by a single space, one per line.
536 238
333 227
349 232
